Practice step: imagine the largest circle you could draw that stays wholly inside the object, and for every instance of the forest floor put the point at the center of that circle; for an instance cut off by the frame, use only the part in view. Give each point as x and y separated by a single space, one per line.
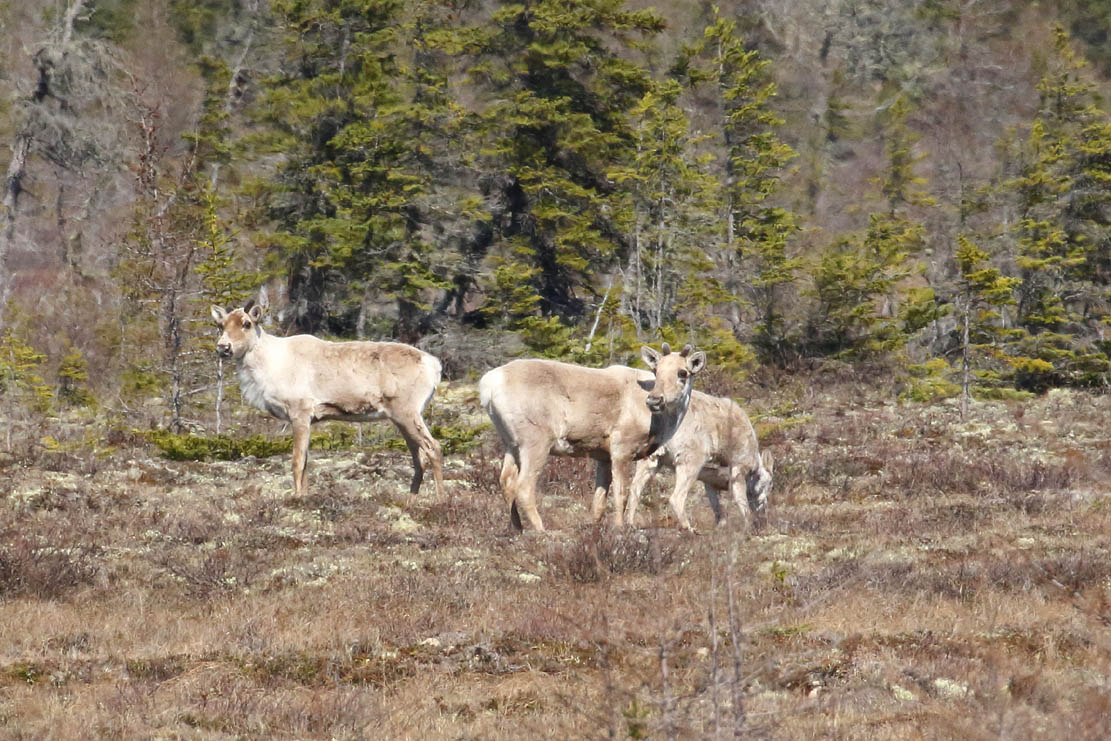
916 576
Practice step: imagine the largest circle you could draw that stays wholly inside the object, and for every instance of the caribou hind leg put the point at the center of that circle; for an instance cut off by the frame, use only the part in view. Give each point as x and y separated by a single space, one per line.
532 460
426 453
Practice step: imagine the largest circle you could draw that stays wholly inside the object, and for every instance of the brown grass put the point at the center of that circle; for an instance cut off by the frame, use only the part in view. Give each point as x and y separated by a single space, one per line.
916 577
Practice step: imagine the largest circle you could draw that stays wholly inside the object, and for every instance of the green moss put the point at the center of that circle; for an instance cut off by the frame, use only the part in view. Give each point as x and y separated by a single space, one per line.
217 447
192 447
453 439
458 438
28 673
788 631
929 383
135 381
984 393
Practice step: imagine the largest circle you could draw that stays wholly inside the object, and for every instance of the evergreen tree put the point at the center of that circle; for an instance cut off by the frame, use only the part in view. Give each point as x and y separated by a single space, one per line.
555 86
20 382
671 208
864 306
757 229
983 292
355 117
1060 238
224 281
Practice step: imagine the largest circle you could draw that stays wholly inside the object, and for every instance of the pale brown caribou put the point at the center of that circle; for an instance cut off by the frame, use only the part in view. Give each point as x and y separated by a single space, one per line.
716 444
543 407
303 379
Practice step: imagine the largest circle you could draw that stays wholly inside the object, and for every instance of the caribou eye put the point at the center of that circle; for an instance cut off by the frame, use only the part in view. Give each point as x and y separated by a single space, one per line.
683 375
246 325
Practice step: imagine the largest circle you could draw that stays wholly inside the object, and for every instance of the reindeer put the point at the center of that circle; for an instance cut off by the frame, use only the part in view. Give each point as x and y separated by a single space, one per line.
303 379
716 445
543 407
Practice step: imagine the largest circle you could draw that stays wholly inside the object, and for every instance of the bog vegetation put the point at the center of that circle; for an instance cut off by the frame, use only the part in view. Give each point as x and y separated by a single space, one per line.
888 224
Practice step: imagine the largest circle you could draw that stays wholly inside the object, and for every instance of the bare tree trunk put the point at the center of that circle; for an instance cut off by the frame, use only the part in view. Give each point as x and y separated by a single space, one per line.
598 314
715 701
219 391
736 636
659 307
639 277
360 320
668 721
69 19
964 358
174 346
21 149
13 185
237 67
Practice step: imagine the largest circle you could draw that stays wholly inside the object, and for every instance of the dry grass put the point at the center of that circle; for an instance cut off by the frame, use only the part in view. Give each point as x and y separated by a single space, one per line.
916 577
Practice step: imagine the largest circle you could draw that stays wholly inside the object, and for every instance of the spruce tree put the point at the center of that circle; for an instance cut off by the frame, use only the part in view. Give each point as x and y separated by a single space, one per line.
354 108
758 226
983 292
555 84
1061 236
863 305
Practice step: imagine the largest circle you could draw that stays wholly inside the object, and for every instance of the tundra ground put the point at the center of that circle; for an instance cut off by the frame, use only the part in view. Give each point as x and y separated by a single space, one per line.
915 577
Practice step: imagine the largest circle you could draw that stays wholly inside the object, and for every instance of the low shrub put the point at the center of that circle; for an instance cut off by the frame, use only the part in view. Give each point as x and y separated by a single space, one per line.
30 570
193 447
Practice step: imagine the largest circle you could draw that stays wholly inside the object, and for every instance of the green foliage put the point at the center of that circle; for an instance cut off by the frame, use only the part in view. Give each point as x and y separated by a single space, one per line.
558 93
224 281
1001 393
73 380
136 381
636 720
929 382
111 19
359 123
856 281
984 293
458 439
198 22
865 304
671 202
899 185
758 231
20 382
192 447
1060 237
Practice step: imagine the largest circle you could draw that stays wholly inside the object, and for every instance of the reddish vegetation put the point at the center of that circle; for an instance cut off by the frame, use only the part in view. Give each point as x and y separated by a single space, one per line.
914 577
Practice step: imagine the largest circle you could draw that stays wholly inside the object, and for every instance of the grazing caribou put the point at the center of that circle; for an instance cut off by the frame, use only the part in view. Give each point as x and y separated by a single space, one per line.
543 407
303 379
716 445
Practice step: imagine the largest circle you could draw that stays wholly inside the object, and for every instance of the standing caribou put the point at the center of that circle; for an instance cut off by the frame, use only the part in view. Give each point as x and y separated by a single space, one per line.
716 445
303 379
543 407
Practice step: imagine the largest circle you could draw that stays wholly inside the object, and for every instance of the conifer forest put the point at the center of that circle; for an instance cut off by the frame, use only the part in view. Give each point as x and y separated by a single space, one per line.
886 223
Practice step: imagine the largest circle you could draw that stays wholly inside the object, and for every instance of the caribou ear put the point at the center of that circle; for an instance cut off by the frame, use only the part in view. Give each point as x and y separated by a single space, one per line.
696 362
218 314
768 461
255 312
650 356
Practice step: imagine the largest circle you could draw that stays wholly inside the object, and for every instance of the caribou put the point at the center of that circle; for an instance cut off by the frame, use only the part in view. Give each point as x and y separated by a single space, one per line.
544 407
716 445
303 379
